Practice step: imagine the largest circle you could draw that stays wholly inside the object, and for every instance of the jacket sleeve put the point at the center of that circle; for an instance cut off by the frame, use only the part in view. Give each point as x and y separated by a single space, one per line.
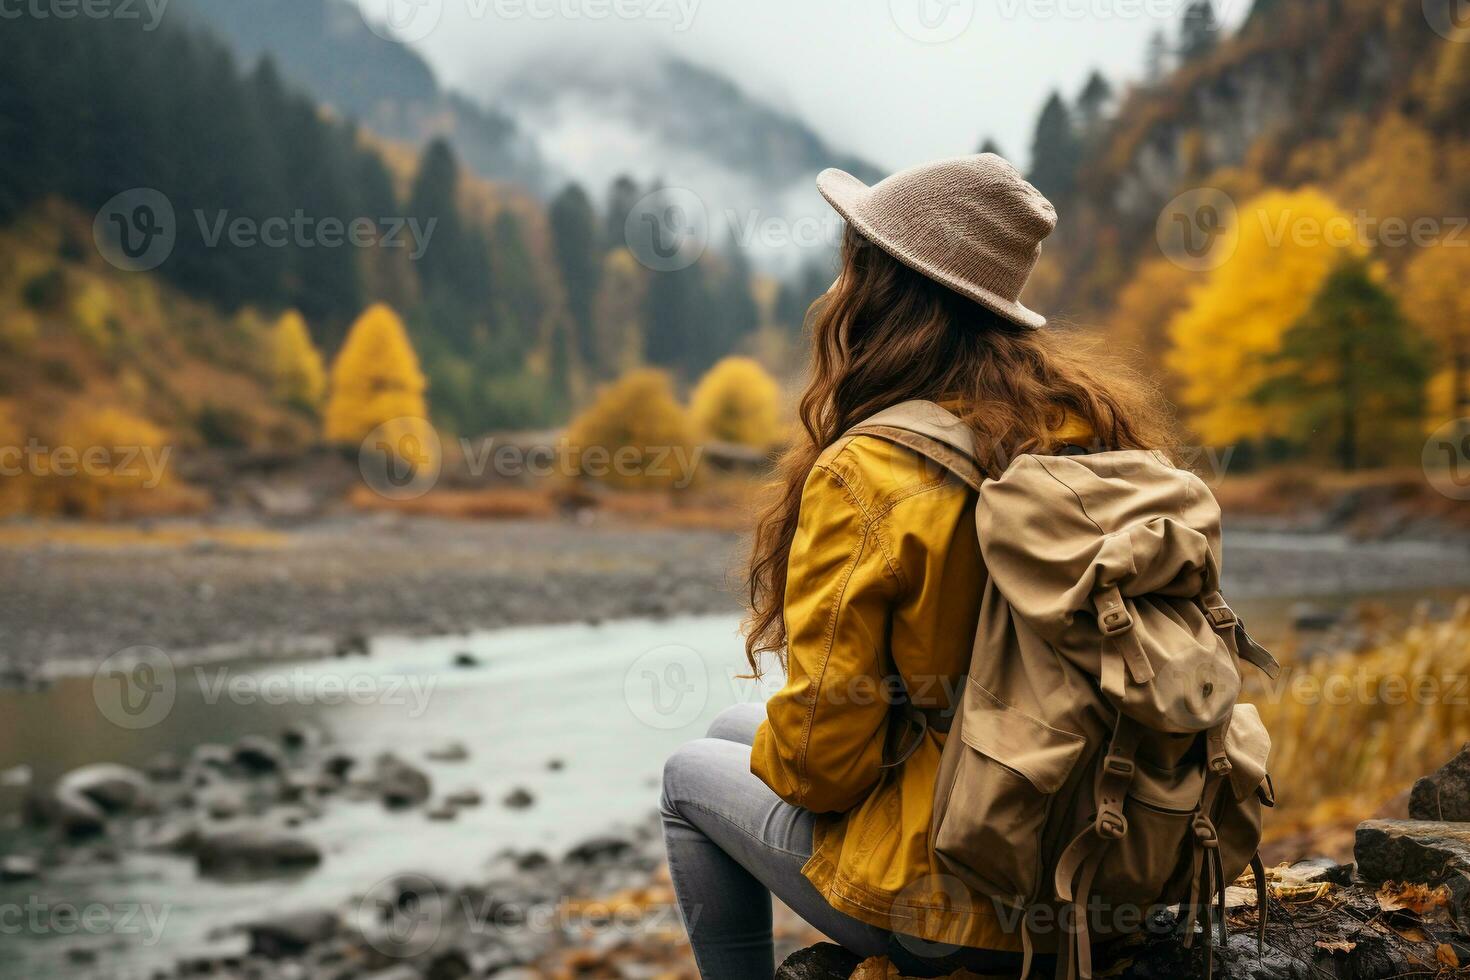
822 742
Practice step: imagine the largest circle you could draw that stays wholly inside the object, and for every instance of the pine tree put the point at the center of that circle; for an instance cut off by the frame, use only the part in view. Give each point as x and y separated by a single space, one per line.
618 314
579 259
520 305
677 309
1094 103
621 197
1199 32
735 310
375 379
1353 372
1156 59
296 364
455 267
1055 152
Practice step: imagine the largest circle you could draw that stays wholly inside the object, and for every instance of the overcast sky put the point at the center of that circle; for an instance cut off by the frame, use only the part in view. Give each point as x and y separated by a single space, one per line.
897 81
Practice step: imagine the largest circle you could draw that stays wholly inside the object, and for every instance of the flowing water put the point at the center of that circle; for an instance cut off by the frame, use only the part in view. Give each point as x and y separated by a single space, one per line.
608 702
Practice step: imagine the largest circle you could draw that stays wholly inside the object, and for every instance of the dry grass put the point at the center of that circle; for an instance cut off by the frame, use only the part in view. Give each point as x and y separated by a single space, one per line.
1353 730
109 537
719 503
502 503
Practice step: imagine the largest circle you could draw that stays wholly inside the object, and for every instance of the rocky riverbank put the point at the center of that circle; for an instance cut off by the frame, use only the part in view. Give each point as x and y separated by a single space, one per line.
604 907
69 600
68 603
246 813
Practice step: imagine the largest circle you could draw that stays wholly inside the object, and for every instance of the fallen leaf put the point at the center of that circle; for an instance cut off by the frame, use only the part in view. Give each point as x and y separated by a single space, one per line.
874 968
1412 934
1336 945
1413 897
1447 956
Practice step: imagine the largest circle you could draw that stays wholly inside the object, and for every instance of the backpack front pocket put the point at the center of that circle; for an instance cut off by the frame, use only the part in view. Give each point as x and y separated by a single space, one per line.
1006 770
1152 858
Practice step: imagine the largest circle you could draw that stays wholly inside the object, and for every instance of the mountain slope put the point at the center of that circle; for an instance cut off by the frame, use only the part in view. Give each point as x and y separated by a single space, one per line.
324 47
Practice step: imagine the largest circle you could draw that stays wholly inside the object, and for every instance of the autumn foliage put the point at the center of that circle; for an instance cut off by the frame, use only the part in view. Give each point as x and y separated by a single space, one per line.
738 401
1281 249
296 365
634 435
375 379
98 461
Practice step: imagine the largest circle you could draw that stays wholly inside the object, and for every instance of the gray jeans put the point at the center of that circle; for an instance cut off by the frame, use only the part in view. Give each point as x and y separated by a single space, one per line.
733 843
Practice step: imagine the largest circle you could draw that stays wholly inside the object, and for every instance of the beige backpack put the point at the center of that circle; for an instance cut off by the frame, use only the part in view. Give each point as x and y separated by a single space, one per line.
1097 765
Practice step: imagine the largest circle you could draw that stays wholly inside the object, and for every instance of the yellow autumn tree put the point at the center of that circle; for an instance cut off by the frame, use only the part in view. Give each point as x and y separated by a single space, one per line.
97 458
13 476
634 435
296 365
1436 298
738 401
375 379
1281 248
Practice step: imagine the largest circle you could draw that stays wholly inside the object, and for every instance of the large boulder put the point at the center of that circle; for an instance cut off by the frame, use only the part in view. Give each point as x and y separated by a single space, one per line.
823 961
1445 793
1418 851
254 851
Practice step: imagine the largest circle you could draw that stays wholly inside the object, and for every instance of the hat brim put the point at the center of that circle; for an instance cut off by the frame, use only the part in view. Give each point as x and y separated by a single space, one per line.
847 194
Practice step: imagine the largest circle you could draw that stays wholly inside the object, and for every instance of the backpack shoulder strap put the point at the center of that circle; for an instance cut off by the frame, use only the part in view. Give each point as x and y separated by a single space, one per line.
931 431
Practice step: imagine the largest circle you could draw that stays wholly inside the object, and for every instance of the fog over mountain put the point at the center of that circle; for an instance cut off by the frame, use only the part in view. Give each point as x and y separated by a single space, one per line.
659 118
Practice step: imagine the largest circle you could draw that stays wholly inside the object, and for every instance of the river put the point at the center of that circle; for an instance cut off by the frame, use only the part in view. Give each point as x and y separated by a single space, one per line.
580 716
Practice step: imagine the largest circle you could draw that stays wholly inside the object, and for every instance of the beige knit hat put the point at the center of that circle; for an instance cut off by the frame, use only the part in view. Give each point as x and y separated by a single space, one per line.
971 223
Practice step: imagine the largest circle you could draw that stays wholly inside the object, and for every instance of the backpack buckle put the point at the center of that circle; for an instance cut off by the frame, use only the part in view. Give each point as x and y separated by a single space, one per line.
1112 825
1221 616
1112 614
1117 765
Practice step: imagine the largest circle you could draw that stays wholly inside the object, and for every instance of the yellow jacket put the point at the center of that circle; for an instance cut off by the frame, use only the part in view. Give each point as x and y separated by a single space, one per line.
885 569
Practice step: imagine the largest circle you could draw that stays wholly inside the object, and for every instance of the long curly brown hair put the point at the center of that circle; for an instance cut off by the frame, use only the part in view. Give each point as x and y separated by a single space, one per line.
886 334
